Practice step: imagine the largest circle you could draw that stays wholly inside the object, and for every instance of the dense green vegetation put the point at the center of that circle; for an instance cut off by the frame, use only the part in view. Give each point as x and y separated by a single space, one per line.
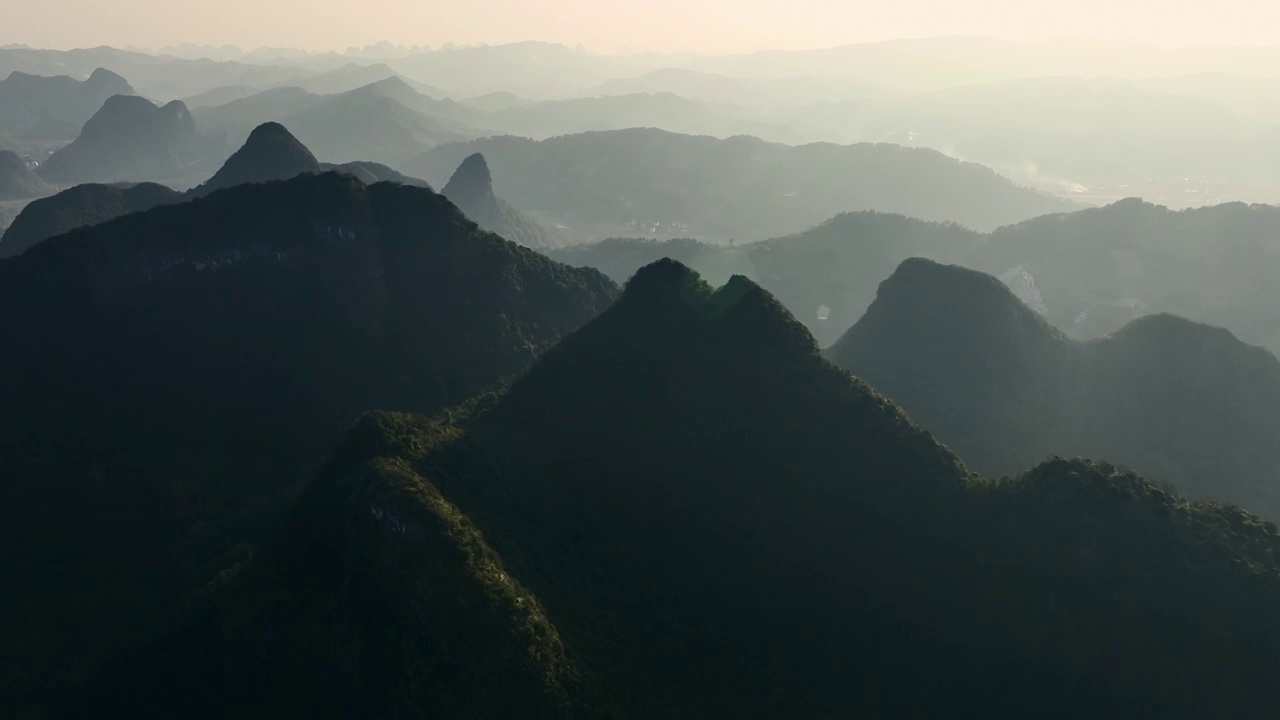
1179 402
719 523
184 368
79 207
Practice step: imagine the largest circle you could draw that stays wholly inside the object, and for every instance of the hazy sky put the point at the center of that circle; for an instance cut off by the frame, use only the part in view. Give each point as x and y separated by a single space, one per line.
711 26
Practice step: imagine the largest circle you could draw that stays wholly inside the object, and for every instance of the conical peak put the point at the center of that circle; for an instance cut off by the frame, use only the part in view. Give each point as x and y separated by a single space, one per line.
471 179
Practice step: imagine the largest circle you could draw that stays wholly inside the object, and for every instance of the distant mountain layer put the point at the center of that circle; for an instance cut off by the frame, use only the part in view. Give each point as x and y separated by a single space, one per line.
232 339
1177 401
1089 272
17 181
712 521
471 189
388 121
54 108
129 139
659 183
270 153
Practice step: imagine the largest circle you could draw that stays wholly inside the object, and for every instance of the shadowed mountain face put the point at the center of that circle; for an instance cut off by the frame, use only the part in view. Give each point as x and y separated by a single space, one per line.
184 367
270 153
1179 402
471 189
129 139
17 181
78 207
54 108
716 522
657 183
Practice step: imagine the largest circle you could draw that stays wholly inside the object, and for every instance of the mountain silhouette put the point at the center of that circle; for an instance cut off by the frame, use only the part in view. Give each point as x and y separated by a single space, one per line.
387 121
78 207
54 108
826 276
655 183
719 523
129 139
471 189
17 181
1178 401
270 153
233 338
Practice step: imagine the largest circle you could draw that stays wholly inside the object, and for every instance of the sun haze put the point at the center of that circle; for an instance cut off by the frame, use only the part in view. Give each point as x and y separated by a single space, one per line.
706 26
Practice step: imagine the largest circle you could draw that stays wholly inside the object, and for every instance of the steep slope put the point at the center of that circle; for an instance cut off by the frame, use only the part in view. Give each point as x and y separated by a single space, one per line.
54 108
471 189
1179 402
232 338
721 524
17 181
391 642
270 153
129 139
77 207
610 183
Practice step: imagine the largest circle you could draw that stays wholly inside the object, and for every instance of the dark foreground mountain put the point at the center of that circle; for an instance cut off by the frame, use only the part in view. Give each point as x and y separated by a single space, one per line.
618 183
471 189
175 374
718 523
1179 402
77 207
35 107
17 181
826 276
129 139
271 153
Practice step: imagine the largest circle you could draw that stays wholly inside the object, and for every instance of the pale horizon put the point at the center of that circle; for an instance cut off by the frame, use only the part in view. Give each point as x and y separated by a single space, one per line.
712 27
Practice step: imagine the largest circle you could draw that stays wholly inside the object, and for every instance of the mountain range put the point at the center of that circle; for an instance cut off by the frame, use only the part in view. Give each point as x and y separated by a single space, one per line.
683 510
270 153
659 183
185 367
128 139
1180 402
1088 272
54 108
